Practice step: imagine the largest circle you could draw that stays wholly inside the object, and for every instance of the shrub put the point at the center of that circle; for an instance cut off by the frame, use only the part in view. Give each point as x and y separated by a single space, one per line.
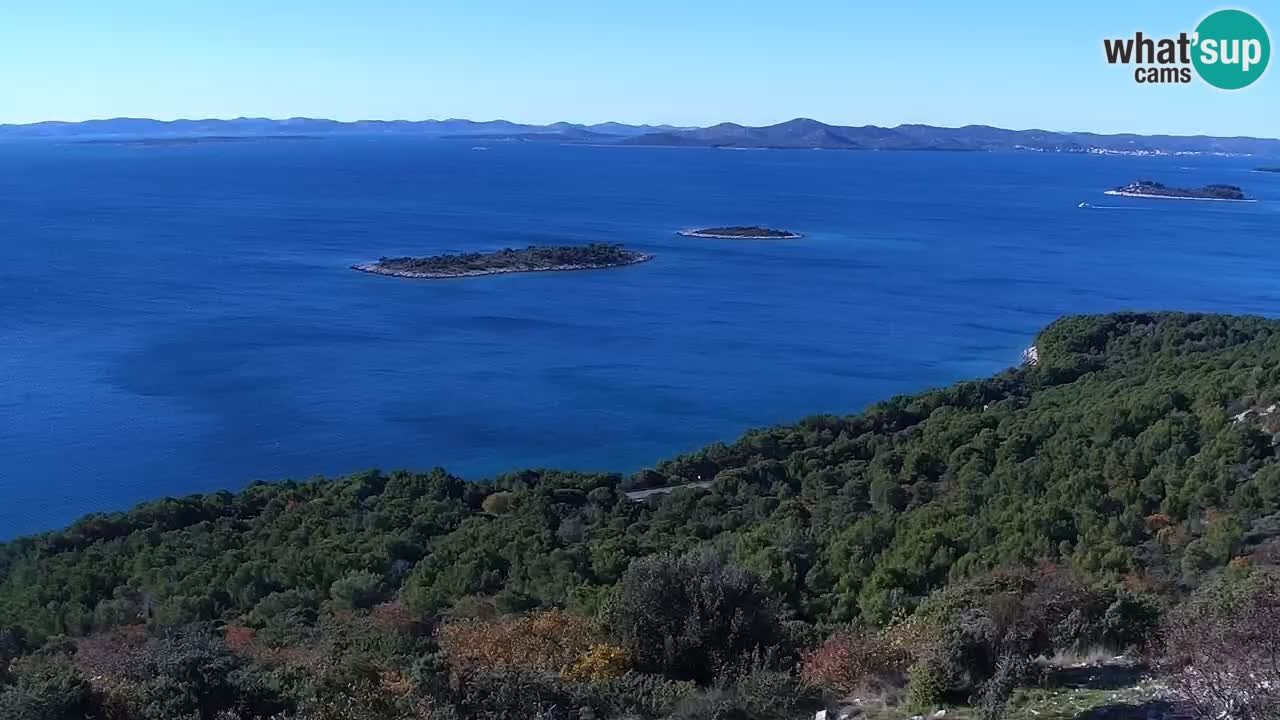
498 503
188 673
183 609
356 591
363 699
974 640
912 637
1130 621
967 652
509 601
635 693
848 663
110 657
285 609
45 689
123 608
474 607
770 696
953 640
349 651
546 641
513 695
1035 613
689 618
993 697
1217 651
761 692
927 685
13 642
798 638
195 674
601 662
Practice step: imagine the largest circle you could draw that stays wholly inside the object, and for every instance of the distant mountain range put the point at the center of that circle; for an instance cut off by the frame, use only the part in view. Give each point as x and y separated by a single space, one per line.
800 133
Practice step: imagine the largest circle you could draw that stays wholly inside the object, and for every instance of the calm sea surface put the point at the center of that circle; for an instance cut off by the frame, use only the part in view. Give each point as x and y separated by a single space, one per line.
182 319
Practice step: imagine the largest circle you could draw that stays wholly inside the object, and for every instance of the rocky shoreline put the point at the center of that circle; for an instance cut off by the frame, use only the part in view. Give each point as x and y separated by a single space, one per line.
1031 356
779 235
377 269
1121 193
1152 189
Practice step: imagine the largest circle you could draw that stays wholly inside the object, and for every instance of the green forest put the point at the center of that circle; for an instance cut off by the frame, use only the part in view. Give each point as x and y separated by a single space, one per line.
1123 492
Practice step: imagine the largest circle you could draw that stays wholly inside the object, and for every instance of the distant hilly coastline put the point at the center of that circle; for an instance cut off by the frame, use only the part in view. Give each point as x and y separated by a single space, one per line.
803 133
144 127
798 134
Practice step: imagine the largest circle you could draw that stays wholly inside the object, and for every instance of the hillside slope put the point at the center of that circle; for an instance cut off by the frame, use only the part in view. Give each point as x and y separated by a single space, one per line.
1128 451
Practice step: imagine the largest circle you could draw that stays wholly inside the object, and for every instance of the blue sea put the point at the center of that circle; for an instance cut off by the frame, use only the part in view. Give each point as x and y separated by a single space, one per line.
181 319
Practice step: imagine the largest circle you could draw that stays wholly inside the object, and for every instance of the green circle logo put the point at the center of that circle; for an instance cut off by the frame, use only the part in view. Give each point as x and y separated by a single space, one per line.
1232 49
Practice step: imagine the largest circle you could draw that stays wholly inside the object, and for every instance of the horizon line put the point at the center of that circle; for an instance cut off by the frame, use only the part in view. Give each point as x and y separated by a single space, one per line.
605 122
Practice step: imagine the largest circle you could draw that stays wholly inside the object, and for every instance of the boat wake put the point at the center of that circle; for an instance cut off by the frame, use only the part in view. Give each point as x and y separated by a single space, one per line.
1087 206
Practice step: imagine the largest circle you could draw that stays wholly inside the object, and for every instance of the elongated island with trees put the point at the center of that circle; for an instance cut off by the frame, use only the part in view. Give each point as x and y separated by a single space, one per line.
1117 493
741 232
1152 189
531 259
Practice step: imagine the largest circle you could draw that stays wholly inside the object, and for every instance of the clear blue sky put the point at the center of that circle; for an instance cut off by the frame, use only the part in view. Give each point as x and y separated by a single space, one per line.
1010 63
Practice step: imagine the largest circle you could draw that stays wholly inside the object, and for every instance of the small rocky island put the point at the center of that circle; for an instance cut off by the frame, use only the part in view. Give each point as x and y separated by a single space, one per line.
530 259
741 232
1150 189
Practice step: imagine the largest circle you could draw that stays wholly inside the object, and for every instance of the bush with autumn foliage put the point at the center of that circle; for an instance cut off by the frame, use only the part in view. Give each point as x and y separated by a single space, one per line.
852 661
602 661
546 641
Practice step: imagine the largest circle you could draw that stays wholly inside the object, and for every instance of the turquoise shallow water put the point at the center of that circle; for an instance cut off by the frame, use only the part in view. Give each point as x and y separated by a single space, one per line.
182 319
